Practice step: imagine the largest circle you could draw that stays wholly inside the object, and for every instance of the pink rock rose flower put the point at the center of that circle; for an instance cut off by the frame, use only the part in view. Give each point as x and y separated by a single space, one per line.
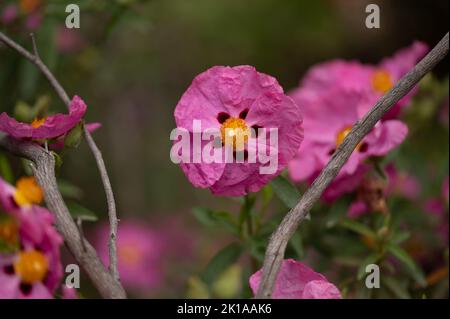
47 128
238 99
297 281
327 120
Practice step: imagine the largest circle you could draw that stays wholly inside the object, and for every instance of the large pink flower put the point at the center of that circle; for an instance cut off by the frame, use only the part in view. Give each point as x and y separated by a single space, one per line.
140 251
32 268
297 281
327 120
238 97
46 128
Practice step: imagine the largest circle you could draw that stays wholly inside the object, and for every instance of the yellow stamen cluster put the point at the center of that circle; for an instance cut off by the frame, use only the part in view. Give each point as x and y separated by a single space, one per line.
31 266
129 254
38 122
235 132
28 6
9 232
28 192
381 81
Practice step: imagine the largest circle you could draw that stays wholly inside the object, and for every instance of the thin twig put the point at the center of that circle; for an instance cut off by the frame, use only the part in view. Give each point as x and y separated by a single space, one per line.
112 214
280 238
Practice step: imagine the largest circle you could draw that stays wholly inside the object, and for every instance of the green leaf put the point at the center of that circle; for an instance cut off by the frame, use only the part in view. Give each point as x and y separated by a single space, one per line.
296 243
357 227
285 191
371 259
408 262
80 212
210 218
220 262
24 112
337 212
397 288
69 190
6 170
74 136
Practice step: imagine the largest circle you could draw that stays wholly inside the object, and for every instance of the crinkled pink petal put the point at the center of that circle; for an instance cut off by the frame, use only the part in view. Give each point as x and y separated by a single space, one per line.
385 137
292 281
320 289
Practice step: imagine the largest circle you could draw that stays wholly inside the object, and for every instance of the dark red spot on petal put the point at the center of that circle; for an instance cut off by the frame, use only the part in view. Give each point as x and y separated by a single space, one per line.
363 148
9 270
25 288
255 130
243 114
222 117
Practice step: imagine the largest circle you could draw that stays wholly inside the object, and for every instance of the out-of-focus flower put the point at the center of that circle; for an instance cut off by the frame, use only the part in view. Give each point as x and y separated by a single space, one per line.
9 14
327 120
45 128
68 40
140 252
297 281
33 21
438 207
32 268
69 293
234 100
29 6
372 81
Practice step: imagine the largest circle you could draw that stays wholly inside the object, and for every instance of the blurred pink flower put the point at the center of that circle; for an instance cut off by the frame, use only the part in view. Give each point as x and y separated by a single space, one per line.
33 268
68 40
33 20
140 251
46 128
297 281
9 14
328 120
238 97
69 293
372 81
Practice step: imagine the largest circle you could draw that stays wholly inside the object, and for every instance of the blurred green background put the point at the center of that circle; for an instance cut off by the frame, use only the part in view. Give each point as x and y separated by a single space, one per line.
132 60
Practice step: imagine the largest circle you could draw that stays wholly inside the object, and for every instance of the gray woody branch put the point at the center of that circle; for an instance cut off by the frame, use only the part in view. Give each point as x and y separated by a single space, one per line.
44 170
280 238
35 59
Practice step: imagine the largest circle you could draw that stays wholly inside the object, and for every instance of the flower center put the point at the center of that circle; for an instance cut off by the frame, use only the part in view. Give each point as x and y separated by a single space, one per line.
28 6
9 232
28 192
381 81
129 254
38 122
31 266
235 132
